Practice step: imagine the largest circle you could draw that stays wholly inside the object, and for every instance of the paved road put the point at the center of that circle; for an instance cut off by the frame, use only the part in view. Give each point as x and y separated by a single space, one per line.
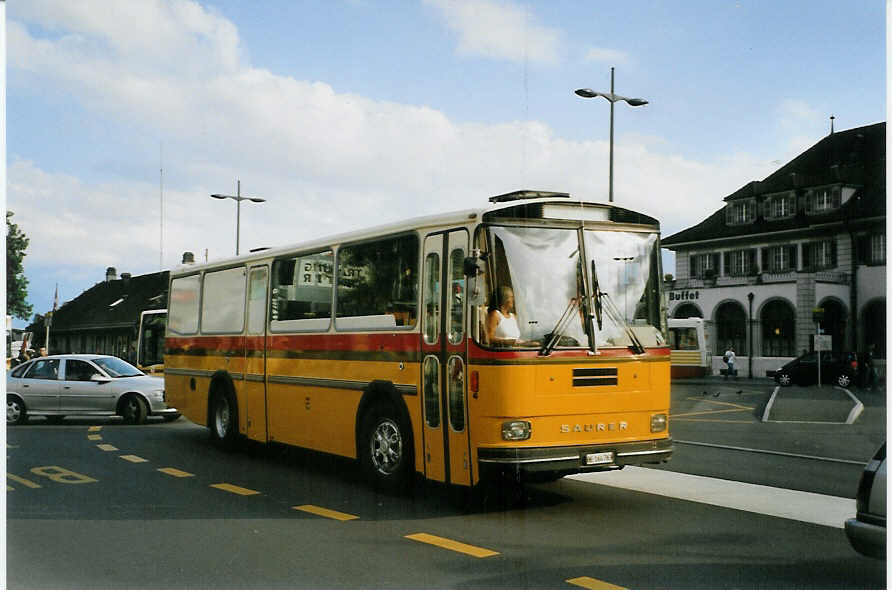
717 435
156 506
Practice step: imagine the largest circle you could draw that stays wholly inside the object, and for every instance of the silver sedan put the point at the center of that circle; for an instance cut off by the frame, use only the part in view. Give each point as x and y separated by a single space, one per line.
84 385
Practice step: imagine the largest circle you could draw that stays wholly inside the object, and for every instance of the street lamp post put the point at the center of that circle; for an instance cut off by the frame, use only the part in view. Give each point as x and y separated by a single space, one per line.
611 98
238 198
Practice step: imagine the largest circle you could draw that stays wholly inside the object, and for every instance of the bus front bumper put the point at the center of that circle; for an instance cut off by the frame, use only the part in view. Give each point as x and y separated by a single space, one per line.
559 461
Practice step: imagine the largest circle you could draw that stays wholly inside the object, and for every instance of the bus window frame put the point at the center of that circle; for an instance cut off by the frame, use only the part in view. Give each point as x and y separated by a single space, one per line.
168 331
419 270
303 330
204 274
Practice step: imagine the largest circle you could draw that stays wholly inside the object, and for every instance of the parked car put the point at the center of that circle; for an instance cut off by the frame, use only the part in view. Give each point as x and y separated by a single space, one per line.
867 531
85 385
838 368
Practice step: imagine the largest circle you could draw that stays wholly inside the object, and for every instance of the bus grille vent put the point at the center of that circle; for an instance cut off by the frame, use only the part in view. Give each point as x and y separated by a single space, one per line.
594 377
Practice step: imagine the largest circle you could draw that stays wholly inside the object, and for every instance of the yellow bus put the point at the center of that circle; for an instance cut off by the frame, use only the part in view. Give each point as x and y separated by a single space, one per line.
524 338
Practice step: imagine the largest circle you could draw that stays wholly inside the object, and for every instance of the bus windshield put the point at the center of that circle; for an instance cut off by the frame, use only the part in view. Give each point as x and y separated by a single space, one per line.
541 271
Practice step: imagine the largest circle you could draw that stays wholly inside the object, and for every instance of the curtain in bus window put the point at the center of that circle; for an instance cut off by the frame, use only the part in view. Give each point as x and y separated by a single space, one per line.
183 305
378 284
628 272
223 301
542 267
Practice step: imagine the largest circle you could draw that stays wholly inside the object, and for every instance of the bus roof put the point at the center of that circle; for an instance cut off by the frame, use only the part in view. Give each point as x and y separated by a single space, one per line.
514 205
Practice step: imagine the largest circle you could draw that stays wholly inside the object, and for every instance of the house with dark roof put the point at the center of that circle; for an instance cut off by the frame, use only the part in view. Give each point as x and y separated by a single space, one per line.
104 319
800 253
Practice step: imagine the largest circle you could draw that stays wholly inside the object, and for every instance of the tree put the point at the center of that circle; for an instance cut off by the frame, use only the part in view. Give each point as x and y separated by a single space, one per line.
16 282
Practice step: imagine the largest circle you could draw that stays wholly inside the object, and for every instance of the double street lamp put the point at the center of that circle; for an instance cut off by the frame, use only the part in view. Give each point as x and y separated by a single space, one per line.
612 98
238 198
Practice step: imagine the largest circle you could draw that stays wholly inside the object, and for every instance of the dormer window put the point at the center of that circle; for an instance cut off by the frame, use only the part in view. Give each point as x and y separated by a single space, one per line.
780 206
823 200
740 212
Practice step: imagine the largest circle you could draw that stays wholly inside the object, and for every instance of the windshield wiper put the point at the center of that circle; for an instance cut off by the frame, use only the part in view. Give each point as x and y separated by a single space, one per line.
618 319
560 328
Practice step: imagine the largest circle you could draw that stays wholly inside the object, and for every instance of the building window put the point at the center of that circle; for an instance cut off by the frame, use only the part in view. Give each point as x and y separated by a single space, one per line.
740 212
822 200
740 263
704 265
730 320
779 259
819 255
781 206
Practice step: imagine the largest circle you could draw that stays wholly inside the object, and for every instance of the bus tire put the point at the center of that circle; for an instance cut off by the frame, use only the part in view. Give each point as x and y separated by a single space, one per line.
133 409
385 449
223 420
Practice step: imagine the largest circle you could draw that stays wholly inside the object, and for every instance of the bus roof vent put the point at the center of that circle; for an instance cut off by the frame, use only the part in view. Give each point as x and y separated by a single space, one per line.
523 195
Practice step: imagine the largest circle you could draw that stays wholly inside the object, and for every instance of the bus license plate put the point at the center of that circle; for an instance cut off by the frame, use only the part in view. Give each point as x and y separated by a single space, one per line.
598 458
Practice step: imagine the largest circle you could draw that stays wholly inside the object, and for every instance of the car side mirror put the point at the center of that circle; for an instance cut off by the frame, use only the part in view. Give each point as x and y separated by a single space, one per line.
97 378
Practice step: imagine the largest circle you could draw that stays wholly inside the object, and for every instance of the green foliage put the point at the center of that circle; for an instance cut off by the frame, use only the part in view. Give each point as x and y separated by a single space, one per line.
16 282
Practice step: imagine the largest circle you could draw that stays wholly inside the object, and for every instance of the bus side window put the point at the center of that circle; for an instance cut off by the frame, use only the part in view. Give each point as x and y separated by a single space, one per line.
301 292
378 284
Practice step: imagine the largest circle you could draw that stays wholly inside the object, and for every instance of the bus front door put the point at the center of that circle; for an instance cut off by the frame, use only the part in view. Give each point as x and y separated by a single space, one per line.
255 355
447 453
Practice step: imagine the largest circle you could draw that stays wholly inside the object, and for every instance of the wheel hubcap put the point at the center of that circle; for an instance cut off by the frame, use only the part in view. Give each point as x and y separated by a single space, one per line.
221 418
12 411
387 447
785 379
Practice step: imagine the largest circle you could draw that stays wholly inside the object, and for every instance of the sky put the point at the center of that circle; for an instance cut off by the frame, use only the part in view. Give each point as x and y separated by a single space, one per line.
123 117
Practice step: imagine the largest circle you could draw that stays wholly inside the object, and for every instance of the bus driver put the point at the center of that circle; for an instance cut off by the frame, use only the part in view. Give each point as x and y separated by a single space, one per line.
501 320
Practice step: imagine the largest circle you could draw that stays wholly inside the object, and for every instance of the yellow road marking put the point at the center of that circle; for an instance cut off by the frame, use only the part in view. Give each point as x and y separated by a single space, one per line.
175 472
452 545
134 459
94 437
319 511
94 429
228 487
9 488
9 446
25 482
593 584
107 447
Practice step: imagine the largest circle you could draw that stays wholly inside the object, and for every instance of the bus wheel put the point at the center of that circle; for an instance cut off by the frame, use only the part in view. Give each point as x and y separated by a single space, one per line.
133 410
224 421
385 449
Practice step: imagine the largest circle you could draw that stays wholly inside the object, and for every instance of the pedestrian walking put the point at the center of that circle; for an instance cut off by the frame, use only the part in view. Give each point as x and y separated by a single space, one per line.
729 359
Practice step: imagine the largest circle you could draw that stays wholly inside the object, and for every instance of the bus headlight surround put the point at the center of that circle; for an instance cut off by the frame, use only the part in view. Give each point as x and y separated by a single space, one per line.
516 430
658 422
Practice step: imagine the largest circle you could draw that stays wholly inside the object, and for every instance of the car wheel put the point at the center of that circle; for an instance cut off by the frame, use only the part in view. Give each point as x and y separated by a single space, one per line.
171 417
15 410
785 380
224 421
385 449
843 380
134 410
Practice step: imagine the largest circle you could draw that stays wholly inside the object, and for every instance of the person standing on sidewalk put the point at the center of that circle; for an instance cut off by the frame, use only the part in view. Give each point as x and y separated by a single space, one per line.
729 360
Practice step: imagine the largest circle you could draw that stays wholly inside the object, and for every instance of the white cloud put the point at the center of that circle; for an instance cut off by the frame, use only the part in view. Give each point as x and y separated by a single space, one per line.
499 30
608 56
325 161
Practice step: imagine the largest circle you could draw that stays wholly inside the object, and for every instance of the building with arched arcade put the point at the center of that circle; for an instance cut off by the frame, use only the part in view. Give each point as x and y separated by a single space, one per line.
802 251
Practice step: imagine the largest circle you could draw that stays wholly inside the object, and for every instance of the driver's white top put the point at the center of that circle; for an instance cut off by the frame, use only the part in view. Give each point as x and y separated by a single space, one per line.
507 328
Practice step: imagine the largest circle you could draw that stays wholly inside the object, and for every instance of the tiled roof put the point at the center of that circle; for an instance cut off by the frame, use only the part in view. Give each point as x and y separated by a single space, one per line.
113 304
855 157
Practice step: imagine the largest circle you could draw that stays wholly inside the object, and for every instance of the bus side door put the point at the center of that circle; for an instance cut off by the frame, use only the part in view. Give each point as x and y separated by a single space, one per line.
444 353
255 354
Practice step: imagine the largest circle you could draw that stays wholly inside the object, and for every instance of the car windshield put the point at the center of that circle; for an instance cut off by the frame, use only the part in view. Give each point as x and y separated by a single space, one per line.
115 367
541 269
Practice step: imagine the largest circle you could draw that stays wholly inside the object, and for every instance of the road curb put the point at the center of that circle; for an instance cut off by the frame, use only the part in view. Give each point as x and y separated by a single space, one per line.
767 412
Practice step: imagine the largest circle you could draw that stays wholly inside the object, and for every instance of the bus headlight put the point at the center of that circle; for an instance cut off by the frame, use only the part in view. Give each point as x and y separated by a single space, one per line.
516 430
658 423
